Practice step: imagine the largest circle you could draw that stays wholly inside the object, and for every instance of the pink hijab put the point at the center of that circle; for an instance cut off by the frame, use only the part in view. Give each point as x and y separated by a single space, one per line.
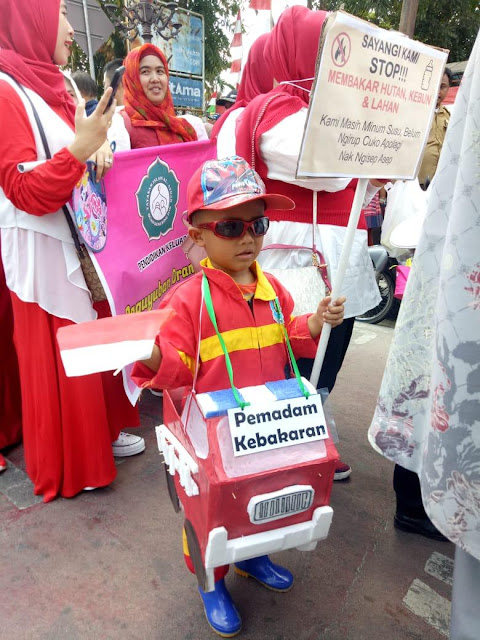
256 79
28 36
290 55
256 76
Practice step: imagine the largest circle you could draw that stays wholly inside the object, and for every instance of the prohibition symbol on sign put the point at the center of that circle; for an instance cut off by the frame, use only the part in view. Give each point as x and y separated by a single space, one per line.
341 48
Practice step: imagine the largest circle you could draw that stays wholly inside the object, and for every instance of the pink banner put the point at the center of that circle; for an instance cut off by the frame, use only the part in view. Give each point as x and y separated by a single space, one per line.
137 246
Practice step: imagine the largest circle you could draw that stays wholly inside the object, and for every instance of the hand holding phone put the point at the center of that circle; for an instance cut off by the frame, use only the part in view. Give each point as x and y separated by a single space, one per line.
116 80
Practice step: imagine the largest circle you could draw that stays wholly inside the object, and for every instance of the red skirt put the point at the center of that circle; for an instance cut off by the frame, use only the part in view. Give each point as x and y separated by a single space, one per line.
10 398
69 424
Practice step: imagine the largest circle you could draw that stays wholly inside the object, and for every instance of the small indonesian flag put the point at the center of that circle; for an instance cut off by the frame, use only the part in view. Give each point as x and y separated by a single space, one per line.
236 47
212 105
109 343
236 66
237 32
260 5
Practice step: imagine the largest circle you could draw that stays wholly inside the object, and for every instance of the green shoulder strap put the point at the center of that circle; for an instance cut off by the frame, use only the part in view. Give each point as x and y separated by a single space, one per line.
211 313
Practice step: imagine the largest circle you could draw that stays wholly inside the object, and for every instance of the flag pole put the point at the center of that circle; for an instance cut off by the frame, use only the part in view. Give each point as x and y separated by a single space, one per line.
339 276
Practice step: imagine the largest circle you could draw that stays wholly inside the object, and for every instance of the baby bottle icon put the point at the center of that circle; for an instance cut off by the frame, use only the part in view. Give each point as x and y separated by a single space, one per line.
427 76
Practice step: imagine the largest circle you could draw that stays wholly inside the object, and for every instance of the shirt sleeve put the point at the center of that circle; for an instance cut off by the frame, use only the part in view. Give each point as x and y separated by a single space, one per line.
177 342
369 194
197 124
49 185
226 135
118 133
280 148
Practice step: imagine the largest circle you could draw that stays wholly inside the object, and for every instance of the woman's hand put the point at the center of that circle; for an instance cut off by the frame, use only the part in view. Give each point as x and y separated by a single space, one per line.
327 311
91 132
103 159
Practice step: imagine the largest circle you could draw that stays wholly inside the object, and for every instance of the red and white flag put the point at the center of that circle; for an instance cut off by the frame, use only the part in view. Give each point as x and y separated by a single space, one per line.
237 32
212 105
109 344
260 5
236 49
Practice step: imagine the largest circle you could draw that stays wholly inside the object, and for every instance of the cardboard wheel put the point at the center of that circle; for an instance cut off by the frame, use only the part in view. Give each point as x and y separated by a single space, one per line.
195 555
172 491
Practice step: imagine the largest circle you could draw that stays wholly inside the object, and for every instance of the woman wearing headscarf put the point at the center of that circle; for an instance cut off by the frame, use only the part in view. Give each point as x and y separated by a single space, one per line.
269 135
256 80
69 424
149 114
427 418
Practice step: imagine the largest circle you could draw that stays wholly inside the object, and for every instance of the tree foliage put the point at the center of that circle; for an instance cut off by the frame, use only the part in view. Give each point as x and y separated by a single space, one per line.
448 24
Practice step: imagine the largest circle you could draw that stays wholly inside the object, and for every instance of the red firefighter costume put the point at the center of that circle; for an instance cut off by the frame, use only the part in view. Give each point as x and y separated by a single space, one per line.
254 338
252 334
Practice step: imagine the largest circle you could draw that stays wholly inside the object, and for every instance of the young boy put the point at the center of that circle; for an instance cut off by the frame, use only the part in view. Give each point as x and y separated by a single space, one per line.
226 203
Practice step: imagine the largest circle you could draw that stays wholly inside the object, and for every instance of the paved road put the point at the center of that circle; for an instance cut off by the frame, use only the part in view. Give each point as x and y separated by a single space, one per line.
107 565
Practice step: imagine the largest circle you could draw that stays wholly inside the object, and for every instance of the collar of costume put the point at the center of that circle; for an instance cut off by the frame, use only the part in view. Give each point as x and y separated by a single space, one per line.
264 290
28 37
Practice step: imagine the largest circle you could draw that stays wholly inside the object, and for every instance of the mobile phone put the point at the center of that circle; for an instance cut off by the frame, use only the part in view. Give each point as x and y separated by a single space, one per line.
116 80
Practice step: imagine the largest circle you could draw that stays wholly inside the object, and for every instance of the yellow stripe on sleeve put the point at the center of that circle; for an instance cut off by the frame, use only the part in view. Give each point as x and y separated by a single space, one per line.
188 361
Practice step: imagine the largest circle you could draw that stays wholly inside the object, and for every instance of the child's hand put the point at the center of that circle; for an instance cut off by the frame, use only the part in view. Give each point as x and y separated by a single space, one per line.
327 311
332 312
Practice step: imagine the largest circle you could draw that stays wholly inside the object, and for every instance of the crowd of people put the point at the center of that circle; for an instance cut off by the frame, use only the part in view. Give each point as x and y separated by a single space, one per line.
53 122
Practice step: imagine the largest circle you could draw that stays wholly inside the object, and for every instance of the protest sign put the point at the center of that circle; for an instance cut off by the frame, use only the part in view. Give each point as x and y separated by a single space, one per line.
140 256
372 102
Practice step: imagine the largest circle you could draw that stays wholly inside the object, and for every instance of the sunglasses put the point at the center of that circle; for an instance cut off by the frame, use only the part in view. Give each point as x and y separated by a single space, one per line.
237 228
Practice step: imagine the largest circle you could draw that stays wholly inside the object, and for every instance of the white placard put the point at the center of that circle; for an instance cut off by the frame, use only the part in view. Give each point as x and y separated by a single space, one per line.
277 424
372 102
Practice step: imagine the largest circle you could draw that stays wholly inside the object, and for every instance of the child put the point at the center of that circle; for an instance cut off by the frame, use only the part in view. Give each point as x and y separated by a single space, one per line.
226 203
88 90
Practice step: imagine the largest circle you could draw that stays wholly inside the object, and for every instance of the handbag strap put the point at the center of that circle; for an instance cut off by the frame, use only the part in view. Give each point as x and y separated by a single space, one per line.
43 137
318 261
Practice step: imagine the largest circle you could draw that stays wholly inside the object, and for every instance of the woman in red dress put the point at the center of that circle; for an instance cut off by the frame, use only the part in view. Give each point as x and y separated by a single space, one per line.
69 424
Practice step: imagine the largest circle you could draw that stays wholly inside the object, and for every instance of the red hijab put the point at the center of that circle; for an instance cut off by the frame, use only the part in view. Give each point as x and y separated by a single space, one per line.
28 36
256 79
290 54
142 112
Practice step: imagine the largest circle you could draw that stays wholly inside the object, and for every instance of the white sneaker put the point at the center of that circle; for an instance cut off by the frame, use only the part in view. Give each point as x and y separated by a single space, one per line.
127 445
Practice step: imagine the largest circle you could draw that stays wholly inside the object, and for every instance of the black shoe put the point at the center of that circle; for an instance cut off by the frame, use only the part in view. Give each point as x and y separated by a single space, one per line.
422 526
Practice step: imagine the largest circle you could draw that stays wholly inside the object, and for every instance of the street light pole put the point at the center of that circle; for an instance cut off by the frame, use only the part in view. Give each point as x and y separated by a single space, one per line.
408 17
140 17
91 62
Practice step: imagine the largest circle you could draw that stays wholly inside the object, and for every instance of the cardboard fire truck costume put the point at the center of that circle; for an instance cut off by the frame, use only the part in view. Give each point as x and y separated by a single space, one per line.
252 468
251 481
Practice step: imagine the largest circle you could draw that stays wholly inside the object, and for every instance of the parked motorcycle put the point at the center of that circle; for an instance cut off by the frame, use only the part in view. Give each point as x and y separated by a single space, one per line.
385 273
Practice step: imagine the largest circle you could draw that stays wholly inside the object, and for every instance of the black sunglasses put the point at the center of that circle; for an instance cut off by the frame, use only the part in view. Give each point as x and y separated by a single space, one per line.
237 228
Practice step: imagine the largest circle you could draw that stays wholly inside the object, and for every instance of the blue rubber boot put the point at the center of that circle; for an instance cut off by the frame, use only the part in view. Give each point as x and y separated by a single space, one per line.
271 575
220 611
